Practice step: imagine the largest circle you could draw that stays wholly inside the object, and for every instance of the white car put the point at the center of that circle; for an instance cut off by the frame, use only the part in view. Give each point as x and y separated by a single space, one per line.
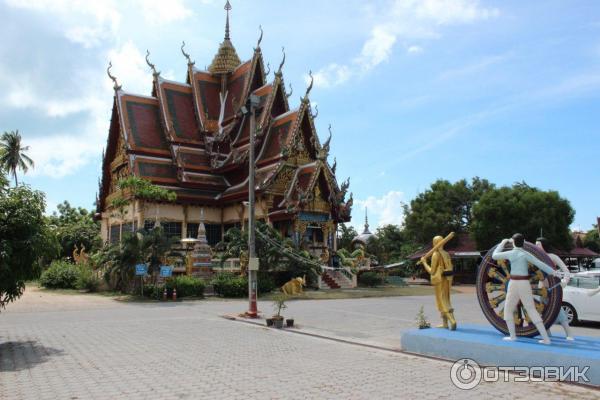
581 299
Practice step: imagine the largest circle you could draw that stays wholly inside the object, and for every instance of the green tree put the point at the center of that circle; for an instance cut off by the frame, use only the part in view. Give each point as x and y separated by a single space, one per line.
390 244
12 154
345 236
120 259
21 231
504 211
443 208
75 226
592 239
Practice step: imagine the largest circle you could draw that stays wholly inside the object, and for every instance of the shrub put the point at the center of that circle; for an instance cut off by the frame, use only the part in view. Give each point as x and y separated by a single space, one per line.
86 279
229 285
60 275
153 291
187 286
266 283
370 279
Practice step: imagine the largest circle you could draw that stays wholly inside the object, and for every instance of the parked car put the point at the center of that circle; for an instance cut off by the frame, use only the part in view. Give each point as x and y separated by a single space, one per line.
577 303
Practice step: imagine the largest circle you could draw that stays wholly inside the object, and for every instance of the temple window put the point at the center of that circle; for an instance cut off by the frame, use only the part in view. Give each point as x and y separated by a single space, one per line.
192 230
114 233
172 229
213 234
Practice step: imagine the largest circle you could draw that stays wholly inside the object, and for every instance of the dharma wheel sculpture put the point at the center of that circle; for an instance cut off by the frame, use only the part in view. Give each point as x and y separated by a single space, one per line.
492 285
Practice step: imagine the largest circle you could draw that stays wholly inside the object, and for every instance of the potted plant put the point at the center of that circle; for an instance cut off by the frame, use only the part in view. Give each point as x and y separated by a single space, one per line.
269 321
289 322
278 305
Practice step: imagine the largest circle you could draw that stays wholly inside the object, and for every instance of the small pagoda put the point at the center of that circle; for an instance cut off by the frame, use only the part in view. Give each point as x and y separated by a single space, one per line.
193 138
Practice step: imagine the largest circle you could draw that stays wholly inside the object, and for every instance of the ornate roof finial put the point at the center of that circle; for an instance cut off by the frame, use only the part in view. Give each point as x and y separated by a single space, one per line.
314 116
260 37
227 8
282 61
310 86
334 167
326 145
366 222
186 55
154 71
268 71
291 91
116 85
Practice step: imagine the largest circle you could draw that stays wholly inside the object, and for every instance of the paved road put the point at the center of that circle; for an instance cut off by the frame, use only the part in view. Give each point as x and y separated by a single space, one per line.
96 348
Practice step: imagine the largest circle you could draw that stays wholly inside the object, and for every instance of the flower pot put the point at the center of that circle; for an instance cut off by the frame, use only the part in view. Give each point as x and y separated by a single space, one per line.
278 322
269 321
289 323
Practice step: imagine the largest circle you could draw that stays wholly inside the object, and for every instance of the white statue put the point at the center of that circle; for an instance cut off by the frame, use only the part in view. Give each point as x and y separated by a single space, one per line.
519 288
562 316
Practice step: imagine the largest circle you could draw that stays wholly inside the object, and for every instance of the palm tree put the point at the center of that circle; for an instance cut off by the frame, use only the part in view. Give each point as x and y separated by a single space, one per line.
12 154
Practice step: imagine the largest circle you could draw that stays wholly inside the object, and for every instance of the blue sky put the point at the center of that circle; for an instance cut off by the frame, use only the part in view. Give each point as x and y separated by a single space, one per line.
415 90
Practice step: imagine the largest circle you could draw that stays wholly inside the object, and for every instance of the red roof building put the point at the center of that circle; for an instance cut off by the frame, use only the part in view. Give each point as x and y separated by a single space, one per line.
193 138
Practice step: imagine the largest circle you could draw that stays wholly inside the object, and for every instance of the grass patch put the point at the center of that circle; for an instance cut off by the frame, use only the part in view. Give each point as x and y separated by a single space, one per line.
357 293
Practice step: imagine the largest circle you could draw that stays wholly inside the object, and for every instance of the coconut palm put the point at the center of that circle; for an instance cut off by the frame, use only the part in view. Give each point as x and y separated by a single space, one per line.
12 154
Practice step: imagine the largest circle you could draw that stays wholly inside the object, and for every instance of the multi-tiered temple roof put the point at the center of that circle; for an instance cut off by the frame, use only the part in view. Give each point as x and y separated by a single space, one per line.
193 138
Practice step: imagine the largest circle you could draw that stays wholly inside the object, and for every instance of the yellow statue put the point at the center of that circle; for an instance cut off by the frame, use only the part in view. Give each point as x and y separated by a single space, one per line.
80 256
294 286
441 271
244 261
325 256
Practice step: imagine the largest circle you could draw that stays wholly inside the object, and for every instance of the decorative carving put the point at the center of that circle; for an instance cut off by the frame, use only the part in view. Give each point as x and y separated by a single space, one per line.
186 55
116 85
310 86
152 66
260 37
282 62
284 177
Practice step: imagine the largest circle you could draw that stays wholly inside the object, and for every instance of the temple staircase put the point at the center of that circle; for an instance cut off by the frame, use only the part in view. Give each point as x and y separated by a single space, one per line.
337 279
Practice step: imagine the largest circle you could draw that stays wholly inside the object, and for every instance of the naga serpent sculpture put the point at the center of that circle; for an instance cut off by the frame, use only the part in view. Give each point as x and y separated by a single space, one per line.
492 285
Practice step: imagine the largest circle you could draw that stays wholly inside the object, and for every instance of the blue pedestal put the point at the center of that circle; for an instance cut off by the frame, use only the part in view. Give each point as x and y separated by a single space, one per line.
485 346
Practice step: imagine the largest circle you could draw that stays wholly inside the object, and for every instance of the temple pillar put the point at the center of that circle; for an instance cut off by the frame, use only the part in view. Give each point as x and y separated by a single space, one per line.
185 222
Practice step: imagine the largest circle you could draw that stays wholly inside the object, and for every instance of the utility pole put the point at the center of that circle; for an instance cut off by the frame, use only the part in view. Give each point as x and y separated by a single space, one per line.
253 262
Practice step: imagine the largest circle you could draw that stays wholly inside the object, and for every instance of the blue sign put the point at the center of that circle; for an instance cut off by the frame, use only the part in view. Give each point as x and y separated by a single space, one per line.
313 217
166 271
141 269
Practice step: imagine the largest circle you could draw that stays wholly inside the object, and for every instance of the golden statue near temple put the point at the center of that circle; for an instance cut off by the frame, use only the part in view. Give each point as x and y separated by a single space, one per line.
441 271
294 286
80 256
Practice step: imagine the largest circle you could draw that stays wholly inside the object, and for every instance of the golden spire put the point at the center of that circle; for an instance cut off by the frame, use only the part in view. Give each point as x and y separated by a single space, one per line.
227 8
226 59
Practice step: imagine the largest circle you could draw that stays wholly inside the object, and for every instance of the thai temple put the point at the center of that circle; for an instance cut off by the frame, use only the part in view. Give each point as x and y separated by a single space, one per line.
193 138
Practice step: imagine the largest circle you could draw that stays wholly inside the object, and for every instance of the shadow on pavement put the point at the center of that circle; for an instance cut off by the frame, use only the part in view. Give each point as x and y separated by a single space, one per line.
17 356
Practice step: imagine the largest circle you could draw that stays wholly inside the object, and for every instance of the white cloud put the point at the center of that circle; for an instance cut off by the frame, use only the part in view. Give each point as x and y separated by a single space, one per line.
383 210
414 49
84 22
130 68
408 19
331 75
377 49
160 12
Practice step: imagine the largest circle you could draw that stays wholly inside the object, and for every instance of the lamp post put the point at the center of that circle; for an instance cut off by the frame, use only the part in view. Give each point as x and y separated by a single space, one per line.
249 109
